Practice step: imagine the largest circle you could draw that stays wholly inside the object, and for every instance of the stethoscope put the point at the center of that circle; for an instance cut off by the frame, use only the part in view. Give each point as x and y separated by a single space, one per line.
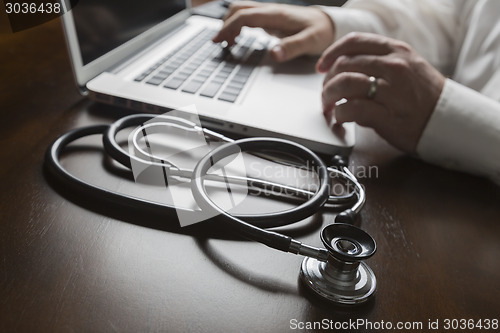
336 273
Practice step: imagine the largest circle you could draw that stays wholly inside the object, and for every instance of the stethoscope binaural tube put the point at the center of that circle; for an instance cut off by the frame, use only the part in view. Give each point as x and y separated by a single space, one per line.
263 220
352 199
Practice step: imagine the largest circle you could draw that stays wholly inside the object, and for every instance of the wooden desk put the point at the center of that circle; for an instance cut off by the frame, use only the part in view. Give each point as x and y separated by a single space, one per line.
70 264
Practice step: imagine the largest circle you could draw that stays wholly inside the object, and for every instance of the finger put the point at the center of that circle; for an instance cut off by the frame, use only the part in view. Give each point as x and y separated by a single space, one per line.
366 64
293 46
352 86
238 5
328 114
261 16
364 112
354 44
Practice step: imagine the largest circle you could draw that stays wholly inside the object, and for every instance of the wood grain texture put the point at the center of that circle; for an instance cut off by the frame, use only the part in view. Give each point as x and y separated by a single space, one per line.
69 263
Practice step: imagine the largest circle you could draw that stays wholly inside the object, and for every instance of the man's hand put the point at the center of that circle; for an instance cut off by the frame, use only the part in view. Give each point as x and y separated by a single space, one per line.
303 30
408 87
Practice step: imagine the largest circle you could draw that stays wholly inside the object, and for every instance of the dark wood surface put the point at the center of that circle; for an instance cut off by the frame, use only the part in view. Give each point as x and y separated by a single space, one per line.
68 263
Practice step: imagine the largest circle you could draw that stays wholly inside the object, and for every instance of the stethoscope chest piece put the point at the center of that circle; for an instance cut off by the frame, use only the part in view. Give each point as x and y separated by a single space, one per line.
343 279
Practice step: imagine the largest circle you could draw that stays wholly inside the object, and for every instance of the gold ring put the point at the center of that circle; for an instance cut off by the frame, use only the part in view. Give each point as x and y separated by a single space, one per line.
372 91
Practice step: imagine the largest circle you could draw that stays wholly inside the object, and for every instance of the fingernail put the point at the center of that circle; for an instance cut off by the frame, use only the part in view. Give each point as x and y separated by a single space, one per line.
319 66
278 52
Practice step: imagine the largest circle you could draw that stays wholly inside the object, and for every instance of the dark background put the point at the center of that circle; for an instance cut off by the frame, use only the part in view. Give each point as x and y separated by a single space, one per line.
69 263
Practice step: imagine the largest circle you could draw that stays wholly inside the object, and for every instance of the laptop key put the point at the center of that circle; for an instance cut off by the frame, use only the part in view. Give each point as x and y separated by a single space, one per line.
182 76
192 86
190 67
218 80
222 55
173 83
141 77
204 74
155 80
249 41
211 89
240 53
165 72
236 84
232 90
223 75
240 78
228 97
227 70
245 70
162 75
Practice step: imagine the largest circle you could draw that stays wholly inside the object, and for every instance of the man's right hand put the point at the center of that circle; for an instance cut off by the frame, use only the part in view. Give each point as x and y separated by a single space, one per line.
302 30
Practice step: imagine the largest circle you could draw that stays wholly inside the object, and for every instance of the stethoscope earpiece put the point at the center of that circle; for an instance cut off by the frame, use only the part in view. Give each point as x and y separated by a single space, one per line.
343 278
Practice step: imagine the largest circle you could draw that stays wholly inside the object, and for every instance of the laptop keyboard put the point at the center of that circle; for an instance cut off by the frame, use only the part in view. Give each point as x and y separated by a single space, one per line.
202 67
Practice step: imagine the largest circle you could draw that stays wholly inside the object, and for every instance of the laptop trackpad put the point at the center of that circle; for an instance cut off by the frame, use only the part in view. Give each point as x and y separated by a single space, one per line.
299 72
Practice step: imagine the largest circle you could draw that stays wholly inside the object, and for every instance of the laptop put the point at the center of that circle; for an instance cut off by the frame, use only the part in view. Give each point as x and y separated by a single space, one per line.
157 55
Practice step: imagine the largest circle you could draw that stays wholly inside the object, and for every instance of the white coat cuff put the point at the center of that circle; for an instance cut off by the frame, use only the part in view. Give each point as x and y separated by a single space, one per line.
347 20
463 132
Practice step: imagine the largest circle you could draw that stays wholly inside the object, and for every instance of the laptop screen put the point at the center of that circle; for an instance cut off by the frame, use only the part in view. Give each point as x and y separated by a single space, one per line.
102 25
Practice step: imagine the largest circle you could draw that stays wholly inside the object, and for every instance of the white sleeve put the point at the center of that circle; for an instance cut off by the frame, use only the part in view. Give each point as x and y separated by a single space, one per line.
429 26
463 133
